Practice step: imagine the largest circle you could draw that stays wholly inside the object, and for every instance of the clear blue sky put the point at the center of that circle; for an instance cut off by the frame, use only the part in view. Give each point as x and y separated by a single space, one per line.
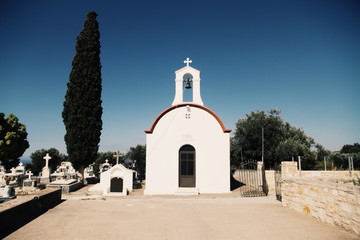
302 57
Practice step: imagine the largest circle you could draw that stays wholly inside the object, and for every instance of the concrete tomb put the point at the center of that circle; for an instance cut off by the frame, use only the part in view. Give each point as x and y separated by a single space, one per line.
65 177
2 174
20 169
64 171
7 191
117 180
16 176
89 171
105 166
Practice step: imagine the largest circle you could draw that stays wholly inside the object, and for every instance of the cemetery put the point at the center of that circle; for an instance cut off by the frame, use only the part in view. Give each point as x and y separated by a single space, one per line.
109 130
178 140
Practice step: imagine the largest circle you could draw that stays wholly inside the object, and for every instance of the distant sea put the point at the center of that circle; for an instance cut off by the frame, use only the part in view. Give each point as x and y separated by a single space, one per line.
25 161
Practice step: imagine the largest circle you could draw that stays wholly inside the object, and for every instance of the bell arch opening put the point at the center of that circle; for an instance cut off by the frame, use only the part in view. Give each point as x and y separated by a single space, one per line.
188 88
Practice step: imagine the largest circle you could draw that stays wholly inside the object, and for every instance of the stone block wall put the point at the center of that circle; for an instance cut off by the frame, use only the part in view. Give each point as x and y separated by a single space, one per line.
331 174
290 169
270 182
335 203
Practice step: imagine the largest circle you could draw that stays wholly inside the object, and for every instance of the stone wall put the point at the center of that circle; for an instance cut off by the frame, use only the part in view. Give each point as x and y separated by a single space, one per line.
290 169
329 196
334 203
270 182
19 211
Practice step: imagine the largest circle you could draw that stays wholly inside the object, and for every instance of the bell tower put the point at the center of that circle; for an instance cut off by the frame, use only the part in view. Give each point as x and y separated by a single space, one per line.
179 84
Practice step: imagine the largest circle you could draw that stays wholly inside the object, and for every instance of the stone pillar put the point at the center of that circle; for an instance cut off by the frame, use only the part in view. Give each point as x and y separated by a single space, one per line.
260 165
288 169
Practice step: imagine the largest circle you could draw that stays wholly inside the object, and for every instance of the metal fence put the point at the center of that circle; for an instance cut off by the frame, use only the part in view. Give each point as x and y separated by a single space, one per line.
252 179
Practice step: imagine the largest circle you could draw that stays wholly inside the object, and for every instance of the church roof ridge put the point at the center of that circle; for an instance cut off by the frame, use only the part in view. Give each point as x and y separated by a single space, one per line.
187 68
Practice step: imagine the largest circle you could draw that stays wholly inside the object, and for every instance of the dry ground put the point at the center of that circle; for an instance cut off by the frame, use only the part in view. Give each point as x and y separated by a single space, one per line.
85 215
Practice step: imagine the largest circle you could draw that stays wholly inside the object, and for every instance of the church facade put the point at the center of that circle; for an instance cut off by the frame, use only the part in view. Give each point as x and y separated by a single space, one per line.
187 145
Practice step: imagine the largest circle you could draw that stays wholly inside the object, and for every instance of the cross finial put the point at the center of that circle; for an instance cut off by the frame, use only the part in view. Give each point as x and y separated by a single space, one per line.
117 157
187 61
47 158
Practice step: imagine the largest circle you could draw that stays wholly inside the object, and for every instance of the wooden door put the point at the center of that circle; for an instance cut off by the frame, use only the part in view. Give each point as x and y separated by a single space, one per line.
116 184
187 173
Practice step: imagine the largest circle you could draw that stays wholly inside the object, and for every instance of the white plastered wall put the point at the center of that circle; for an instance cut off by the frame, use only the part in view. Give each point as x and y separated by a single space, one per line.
205 134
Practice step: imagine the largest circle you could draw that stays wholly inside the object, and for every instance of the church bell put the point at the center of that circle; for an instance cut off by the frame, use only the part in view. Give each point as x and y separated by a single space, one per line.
188 85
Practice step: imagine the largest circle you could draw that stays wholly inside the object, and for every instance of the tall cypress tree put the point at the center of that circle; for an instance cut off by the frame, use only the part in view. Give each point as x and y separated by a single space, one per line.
82 106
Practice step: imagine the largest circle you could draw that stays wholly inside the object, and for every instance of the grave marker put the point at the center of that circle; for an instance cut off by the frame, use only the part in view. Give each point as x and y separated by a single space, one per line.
117 155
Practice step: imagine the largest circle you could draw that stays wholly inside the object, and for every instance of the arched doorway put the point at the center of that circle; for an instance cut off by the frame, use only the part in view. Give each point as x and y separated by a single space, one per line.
187 163
116 184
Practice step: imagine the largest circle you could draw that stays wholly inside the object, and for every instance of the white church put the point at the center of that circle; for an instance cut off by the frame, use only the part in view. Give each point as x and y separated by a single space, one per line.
187 145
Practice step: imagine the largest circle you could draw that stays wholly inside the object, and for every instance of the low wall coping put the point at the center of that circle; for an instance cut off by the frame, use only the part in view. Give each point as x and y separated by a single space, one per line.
19 200
320 182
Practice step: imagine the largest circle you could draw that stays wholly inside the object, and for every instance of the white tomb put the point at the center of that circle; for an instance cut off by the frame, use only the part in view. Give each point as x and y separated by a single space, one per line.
105 166
20 169
65 170
65 177
187 146
2 174
118 180
89 171
16 175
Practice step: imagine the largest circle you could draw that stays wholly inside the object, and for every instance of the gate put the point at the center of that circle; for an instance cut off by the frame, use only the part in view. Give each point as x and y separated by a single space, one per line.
252 179
278 182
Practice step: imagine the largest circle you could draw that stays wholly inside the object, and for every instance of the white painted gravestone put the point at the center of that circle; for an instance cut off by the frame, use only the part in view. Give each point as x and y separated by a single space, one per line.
45 174
187 145
29 183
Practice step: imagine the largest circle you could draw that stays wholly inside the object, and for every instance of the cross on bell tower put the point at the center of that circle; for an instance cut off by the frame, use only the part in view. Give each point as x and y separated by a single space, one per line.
179 79
187 61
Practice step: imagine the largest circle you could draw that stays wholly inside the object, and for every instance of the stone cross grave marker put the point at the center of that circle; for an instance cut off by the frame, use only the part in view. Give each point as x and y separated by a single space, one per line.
117 157
29 173
47 158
